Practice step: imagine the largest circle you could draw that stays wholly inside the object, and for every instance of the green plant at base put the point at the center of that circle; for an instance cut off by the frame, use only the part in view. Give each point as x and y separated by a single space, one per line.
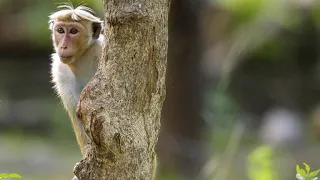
13 175
305 174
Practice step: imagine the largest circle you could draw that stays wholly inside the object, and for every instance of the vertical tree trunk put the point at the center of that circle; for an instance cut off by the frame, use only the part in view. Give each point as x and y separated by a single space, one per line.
180 142
120 107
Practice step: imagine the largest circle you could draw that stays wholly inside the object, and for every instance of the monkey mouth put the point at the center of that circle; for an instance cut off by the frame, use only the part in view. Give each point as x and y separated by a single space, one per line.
66 57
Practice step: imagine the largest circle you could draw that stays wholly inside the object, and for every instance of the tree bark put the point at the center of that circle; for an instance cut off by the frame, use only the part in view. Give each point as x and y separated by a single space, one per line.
120 107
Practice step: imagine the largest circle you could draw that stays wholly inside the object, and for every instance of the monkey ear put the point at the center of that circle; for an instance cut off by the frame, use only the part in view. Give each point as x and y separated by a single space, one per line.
50 24
96 29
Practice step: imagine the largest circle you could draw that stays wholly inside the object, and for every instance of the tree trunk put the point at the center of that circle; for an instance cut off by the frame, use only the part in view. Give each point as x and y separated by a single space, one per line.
180 142
120 107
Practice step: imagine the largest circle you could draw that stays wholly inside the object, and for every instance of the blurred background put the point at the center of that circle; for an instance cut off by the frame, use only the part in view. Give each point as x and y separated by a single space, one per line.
241 74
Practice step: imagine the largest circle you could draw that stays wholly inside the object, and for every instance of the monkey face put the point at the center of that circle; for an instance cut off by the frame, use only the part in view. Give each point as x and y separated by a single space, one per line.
71 39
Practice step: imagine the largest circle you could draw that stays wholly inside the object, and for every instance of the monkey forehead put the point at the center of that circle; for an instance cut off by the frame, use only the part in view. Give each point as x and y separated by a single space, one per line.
76 24
78 14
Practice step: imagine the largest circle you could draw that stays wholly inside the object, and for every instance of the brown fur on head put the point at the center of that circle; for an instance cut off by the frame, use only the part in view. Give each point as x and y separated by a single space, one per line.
73 30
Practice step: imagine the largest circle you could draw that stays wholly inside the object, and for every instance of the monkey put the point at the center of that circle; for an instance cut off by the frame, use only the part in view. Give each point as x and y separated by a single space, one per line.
77 40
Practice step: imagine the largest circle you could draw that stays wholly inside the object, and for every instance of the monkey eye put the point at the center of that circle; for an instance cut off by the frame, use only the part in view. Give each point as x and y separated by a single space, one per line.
60 30
74 31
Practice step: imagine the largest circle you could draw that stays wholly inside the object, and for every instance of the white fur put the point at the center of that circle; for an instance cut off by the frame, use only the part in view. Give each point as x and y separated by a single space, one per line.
77 14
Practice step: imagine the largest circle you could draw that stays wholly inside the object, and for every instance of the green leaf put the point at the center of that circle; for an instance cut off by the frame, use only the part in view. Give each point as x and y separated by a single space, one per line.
307 167
297 168
314 173
302 172
4 175
14 175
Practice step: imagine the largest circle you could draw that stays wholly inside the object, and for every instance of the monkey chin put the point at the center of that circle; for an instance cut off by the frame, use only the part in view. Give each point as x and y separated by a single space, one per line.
66 59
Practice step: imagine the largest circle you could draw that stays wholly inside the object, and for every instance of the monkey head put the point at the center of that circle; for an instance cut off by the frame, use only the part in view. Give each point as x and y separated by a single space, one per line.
73 31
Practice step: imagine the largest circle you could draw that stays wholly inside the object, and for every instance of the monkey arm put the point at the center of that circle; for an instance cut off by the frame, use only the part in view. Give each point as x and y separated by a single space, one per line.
70 104
81 135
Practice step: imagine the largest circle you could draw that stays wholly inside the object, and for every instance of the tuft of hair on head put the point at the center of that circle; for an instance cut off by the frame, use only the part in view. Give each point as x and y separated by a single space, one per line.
69 13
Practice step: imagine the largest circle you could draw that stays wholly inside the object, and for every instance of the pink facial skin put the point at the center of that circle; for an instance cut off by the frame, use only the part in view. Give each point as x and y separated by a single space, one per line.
70 39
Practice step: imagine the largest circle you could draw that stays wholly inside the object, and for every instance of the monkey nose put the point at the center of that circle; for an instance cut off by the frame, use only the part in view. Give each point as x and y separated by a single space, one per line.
63 47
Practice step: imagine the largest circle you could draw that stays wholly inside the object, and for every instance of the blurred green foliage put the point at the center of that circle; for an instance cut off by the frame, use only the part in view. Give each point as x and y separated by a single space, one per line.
261 164
283 13
244 8
316 13
36 16
220 113
13 175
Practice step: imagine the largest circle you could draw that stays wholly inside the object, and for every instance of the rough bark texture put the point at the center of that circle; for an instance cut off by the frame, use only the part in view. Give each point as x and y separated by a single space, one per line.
121 106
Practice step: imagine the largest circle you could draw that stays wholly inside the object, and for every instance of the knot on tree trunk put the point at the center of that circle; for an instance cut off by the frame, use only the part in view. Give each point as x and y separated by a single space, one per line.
127 15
